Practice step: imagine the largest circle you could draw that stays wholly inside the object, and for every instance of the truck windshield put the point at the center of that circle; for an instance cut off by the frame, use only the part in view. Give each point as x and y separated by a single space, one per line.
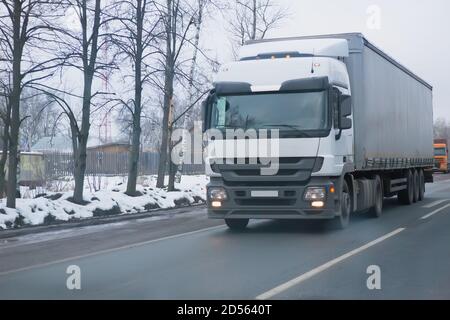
440 152
294 113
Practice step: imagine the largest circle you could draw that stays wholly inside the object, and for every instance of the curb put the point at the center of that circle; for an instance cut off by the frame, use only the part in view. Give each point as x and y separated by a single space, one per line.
26 230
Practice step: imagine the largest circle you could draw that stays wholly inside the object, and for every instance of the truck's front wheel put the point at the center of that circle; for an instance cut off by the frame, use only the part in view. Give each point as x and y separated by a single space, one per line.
237 224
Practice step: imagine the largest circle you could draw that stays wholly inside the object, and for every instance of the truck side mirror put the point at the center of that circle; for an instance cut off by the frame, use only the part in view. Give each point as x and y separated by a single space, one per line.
205 111
345 110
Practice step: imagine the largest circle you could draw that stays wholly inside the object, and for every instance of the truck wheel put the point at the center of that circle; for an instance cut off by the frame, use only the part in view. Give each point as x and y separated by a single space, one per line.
237 224
421 185
377 209
342 221
406 196
416 185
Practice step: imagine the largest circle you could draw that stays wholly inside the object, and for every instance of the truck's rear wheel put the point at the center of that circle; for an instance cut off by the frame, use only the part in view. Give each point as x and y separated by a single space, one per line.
237 224
377 209
416 186
421 185
407 196
343 220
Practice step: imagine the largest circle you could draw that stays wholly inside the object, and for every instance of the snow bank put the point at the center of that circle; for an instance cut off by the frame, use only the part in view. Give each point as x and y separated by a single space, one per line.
109 201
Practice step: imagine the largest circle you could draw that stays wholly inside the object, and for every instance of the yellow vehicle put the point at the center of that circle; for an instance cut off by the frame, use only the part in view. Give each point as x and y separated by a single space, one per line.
31 170
441 155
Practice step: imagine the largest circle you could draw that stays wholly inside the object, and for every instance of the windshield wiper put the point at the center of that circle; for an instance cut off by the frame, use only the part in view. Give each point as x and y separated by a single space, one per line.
227 127
294 128
290 126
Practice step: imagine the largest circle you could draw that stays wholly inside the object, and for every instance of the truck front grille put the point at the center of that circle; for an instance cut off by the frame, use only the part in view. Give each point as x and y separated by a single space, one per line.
291 171
256 172
284 160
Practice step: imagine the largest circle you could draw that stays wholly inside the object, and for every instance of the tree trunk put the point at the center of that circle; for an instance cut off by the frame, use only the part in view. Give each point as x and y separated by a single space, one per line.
3 159
13 146
168 95
187 116
15 108
163 154
133 162
80 170
254 22
83 135
2 170
172 167
133 169
89 65
5 149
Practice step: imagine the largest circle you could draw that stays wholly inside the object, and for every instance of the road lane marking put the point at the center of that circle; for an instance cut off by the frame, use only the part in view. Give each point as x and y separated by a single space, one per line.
437 188
435 211
434 203
289 284
129 246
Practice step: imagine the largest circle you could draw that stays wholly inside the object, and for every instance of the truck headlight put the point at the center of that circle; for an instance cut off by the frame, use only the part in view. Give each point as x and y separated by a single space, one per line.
217 194
315 194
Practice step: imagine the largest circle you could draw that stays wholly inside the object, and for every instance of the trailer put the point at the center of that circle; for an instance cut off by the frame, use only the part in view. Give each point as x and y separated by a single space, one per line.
354 126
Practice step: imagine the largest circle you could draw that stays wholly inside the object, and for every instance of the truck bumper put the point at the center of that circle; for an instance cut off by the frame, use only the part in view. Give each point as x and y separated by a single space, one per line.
289 204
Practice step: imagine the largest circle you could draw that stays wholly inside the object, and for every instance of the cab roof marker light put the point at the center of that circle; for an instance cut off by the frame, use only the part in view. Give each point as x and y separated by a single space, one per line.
267 88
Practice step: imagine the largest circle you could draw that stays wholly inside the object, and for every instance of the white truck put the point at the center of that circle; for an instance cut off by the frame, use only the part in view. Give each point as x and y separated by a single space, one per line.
354 126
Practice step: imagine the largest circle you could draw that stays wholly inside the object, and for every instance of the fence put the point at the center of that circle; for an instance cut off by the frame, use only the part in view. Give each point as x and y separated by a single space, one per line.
58 164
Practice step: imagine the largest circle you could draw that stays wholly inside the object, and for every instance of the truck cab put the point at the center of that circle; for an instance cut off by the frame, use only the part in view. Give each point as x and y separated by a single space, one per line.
303 92
441 155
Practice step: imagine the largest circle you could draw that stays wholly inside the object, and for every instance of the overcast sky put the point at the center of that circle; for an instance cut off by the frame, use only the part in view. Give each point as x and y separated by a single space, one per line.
414 32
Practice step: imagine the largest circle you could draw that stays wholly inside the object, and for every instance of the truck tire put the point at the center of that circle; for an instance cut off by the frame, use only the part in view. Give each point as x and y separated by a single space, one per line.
422 185
377 209
237 224
416 185
406 196
342 221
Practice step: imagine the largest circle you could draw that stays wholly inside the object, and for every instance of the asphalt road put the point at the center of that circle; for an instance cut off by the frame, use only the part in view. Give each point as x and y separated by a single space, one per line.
187 256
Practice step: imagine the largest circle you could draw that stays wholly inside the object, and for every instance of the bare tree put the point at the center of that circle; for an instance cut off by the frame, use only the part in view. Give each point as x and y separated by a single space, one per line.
177 23
135 39
195 80
83 48
253 19
26 38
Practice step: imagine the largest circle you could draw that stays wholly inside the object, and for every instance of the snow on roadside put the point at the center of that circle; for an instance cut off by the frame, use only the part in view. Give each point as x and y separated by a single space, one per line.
109 201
